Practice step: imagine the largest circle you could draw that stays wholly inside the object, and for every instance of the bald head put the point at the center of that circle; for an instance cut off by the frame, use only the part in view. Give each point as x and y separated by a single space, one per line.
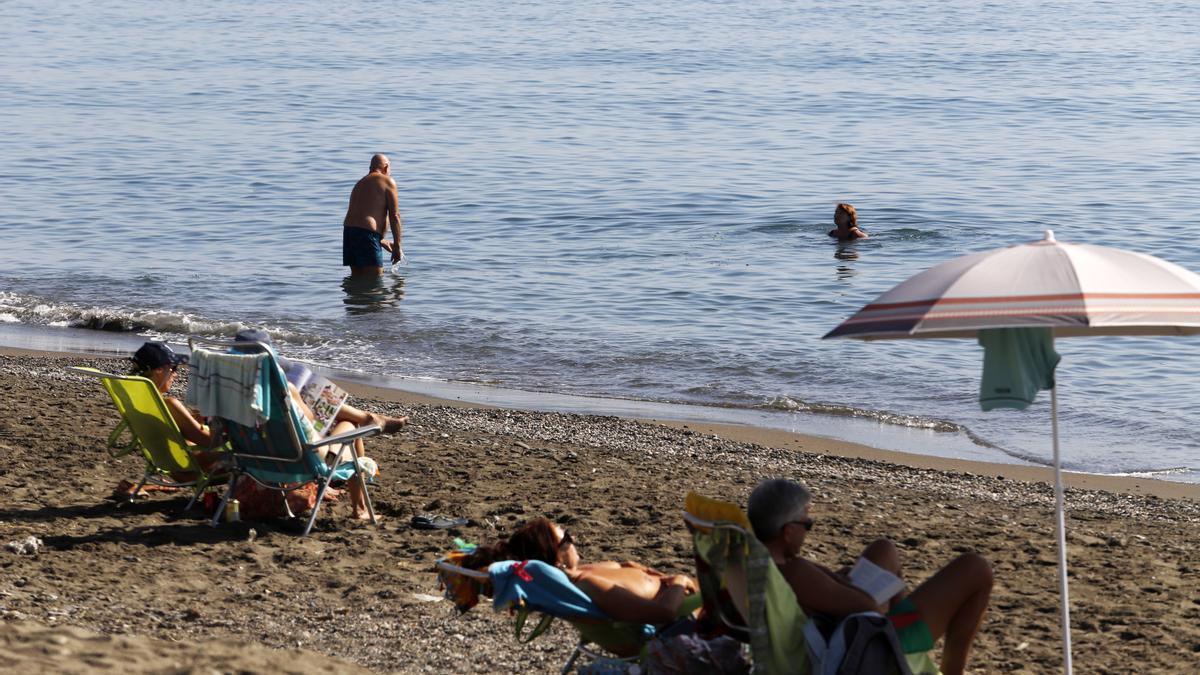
379 162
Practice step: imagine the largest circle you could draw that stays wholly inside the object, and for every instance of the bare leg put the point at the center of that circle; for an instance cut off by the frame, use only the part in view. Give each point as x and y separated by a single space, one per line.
883 553
348 413
953 602
390 425
358 501
358 498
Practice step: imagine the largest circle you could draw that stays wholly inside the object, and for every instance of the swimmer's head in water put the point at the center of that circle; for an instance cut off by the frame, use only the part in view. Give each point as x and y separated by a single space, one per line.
845 214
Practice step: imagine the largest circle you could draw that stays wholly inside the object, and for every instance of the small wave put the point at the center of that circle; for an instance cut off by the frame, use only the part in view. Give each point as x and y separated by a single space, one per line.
1156 473
788 404
907 421
883 416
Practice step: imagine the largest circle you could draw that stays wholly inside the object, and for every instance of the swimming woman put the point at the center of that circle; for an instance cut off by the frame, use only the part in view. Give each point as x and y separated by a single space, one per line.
846 220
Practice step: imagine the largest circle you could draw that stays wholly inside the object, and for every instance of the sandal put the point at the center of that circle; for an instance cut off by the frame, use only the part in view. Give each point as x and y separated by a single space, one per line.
430 522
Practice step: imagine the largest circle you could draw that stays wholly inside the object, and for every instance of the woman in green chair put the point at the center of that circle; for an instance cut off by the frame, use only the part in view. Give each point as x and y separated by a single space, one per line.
158 363
626 591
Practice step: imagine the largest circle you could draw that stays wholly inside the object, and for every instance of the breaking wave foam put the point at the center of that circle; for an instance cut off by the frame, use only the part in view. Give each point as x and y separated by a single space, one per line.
38 312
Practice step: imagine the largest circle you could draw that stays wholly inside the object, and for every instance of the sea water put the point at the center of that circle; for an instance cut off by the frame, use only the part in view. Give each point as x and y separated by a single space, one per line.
625 202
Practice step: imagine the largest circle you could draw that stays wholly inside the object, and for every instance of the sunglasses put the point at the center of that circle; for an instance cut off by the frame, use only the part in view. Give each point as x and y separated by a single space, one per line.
566 540
808 523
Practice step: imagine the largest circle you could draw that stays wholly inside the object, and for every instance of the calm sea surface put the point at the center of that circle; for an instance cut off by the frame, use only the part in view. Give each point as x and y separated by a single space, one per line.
625 200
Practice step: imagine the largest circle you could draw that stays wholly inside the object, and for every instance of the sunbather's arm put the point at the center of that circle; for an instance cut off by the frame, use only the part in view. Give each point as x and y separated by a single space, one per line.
820 590
193 429
614 565
393 209
687 582
638 566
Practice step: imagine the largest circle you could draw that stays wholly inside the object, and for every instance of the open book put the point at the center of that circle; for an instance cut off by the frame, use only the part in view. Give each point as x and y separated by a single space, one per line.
323 396
875 581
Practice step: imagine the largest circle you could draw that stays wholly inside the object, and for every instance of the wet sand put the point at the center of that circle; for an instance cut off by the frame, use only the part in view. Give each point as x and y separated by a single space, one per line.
144 588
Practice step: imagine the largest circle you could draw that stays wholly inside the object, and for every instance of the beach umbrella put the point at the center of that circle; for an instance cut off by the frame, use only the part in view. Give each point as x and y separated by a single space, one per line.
1070 289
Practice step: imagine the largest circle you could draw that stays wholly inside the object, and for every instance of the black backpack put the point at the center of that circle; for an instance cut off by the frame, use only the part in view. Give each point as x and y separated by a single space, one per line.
860 644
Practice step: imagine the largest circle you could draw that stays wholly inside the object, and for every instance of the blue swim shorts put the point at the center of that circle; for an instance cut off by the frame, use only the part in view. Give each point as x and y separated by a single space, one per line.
360 247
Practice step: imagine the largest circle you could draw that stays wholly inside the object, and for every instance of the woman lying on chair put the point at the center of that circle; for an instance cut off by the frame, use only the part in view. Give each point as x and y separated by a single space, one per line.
626 591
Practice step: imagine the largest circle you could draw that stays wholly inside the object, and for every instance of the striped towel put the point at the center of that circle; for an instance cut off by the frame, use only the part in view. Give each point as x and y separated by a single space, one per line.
229 386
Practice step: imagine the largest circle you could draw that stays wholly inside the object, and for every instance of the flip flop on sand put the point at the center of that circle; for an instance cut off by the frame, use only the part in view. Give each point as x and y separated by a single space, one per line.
431 522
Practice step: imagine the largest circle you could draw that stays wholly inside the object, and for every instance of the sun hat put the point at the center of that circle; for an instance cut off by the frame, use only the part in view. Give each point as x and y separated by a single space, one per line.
153 355
260 335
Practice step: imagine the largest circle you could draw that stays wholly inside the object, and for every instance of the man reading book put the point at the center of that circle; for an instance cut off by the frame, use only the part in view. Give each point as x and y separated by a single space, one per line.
951 603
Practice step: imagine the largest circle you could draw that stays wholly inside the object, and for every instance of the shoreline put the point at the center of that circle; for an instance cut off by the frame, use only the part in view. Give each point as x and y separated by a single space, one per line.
367 595
834 434
772 437
779 438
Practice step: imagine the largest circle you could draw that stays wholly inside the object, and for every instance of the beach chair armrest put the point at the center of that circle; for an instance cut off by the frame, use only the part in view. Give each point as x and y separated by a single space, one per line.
455 569
361 432
115 447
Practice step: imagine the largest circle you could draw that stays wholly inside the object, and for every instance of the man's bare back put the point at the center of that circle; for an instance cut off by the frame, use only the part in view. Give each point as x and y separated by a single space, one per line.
373 207
373 197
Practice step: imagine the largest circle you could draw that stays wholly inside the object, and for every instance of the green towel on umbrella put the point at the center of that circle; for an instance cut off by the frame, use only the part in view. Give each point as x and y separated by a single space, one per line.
1017 364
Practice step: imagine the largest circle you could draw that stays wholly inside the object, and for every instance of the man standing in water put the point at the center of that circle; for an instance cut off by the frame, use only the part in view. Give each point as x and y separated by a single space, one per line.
373 205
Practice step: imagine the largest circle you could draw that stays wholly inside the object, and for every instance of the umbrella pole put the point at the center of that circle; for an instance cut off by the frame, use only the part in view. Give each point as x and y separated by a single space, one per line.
1060 523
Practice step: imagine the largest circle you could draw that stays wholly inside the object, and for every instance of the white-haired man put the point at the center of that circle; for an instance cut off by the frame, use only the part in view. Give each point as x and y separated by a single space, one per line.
951 603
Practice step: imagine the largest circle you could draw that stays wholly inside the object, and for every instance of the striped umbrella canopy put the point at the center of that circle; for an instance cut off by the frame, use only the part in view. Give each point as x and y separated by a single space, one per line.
1072 289
1076 289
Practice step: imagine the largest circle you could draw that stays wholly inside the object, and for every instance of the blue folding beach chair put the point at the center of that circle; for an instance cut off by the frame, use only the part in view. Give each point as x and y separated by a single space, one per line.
273 450
533 586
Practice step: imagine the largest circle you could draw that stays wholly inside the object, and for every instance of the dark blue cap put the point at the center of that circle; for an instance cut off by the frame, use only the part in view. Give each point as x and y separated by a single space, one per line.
156 355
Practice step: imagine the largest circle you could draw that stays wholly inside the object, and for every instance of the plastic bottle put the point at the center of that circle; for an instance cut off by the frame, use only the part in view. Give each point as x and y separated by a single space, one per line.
399 263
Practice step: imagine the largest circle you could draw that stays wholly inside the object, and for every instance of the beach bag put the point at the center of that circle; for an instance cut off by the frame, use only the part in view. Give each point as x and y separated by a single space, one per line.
256 502
689 653
861 644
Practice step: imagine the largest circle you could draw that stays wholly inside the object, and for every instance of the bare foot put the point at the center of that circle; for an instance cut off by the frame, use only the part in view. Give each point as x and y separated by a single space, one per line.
364 515
390 425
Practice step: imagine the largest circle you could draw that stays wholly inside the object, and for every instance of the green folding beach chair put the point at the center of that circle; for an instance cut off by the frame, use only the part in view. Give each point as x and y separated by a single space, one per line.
746 593
743 589
152 432
274 451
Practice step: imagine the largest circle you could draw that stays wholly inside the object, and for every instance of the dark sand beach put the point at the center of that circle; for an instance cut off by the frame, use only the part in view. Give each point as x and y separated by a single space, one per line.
140 587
